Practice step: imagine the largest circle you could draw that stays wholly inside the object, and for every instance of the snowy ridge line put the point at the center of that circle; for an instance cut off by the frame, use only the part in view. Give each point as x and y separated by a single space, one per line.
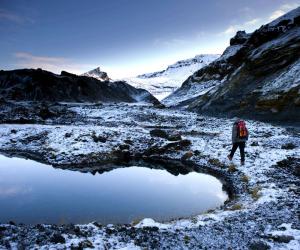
163 83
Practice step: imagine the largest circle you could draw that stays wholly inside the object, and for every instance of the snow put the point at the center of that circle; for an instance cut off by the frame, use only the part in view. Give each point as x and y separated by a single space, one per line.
161 84
148 222
97 73
211 136
194 90
196 87
286 230
117 123
285 81
230 51
281 41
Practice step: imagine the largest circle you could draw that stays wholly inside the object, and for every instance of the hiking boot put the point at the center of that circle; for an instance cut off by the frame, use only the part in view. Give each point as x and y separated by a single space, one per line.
243 163
229 157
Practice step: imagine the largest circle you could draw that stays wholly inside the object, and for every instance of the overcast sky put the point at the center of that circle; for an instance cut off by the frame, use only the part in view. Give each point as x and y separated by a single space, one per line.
123 37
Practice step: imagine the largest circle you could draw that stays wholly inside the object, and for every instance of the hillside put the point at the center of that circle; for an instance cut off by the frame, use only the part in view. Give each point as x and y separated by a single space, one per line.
41 85
257 76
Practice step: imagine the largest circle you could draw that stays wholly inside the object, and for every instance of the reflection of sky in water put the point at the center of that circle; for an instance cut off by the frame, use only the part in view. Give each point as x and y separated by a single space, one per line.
31 192
13 191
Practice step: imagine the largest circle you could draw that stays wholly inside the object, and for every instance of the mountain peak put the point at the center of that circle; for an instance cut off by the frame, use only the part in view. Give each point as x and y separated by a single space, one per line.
98 74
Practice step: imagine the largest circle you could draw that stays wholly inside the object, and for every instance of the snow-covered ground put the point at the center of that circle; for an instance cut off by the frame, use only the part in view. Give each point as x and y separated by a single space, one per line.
161 84
266 196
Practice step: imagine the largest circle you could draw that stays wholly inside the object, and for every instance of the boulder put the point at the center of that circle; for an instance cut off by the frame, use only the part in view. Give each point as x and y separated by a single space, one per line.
159 133
283 238
259 245
187 156
98 138
288 146
57 238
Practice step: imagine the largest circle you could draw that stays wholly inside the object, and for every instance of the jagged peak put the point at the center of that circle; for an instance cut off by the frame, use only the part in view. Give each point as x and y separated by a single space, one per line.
98 74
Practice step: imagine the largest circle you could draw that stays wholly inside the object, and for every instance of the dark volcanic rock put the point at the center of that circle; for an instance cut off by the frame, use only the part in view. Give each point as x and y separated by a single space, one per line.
98 138
288 146
283 238
290 164
178 145
165 135
57 238
240 38
159 133
259 245
85 244
41 85
174 137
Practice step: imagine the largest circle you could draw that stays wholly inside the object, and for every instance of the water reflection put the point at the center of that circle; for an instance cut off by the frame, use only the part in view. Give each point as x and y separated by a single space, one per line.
31 192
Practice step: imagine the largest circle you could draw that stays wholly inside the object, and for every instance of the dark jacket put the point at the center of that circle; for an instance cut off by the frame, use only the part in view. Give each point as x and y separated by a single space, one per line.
235 137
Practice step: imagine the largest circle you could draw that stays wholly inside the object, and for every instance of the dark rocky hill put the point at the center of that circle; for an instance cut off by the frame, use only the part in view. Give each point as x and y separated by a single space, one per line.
258 76
41 85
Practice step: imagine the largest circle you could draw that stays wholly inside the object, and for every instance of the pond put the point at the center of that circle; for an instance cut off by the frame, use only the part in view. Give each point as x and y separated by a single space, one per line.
31 192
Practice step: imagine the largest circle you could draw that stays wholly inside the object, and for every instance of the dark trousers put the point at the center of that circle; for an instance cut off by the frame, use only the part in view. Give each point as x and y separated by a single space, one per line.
240 145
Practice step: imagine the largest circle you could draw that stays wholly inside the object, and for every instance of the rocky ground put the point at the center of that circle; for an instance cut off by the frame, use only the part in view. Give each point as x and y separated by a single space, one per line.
263 211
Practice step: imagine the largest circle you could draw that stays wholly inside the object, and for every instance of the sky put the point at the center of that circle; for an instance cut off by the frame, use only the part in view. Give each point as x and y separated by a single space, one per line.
124 37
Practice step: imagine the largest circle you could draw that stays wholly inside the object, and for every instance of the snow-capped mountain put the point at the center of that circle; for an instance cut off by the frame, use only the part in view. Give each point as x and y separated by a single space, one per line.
162 83
257 76
98 74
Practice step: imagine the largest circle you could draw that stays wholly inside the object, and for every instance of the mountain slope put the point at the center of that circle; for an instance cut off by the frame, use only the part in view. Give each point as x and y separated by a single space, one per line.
163 83
41 85
258 76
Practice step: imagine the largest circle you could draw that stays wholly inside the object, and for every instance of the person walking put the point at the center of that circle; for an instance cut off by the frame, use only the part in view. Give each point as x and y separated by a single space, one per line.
239 138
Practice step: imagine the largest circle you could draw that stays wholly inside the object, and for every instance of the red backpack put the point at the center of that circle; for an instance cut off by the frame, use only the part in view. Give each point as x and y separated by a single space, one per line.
242 131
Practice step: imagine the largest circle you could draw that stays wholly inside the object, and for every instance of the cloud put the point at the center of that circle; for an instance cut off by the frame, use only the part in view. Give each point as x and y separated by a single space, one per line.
254 23
53 64
282 10
231 30
13 17
248 26
174 42
14 191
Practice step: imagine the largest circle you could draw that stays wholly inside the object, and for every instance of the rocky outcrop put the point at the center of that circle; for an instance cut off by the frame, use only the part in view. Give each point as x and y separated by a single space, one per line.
258 76
240 38
41 85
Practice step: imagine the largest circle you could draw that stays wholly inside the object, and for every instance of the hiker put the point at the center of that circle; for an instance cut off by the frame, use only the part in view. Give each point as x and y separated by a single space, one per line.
239 138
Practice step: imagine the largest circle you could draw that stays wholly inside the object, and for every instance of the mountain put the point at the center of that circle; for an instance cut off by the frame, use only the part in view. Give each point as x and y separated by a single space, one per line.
162 83
98 74
41 85
258 76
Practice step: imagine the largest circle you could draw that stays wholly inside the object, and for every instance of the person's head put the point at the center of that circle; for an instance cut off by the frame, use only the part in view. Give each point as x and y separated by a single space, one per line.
236 119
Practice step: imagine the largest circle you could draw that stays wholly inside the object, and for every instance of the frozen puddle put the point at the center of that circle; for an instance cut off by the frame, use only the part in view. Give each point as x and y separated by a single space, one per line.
31 192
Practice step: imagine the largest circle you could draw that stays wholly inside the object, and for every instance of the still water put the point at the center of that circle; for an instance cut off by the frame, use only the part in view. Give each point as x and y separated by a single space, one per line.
31 192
